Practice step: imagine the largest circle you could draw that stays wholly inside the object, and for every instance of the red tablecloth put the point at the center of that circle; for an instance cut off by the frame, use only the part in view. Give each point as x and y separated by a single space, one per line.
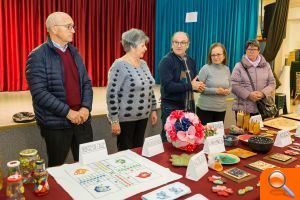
203 186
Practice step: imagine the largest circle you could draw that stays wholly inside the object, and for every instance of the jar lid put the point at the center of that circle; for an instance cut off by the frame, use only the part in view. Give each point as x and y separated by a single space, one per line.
40 162
14 178
28 152
13 163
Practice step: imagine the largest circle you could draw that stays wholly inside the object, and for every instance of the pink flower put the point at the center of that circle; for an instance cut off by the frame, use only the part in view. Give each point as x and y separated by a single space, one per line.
169 126
187 136
192 117
176 114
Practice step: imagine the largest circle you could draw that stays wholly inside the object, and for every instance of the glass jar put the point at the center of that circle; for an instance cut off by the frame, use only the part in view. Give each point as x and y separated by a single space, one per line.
13 167
27 164
40 176
15 189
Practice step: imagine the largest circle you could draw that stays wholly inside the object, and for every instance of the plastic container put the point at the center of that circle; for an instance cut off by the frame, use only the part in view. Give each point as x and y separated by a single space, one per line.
27 164
15 189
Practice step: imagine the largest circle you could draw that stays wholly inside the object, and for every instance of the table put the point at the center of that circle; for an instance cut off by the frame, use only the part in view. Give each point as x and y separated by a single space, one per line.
203 186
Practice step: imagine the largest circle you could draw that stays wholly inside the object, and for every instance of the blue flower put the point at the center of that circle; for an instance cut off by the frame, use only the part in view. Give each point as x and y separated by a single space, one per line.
185 123
178 126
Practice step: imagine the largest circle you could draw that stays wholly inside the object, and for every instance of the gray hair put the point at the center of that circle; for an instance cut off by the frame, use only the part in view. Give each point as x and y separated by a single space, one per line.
52 19
132 38
187 35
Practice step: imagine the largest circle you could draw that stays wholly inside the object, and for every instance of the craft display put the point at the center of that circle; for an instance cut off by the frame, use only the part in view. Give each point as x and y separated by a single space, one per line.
218 180
118 176
237 175
291 152
231 140
40 176
245 190
254 127
215 163
27 164
225 158
181 160
260 165
209 131
243 120
261 144
280 158
184 130
15 188
171 191
13 167
295 116
222 190
235 130
296 148
242 153
282 123
244 138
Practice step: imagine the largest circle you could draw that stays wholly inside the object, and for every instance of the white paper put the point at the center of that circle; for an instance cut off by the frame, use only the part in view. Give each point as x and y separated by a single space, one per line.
191 17
197 167
214 144
119 176
169 192
257 118
283 138
152 146
219 126
197 197
92 152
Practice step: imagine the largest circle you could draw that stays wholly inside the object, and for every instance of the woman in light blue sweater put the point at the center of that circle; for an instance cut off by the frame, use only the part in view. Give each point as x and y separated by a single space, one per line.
211 105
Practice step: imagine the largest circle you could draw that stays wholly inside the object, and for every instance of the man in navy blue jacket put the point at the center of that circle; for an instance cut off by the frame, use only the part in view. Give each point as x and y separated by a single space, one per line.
61 91
178 78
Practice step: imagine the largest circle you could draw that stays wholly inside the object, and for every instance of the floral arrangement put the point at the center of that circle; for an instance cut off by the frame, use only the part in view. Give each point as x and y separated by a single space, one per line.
184 130
209 131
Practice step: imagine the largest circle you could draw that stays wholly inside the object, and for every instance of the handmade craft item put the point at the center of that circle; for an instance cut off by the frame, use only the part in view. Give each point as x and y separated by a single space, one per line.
215 163
291 152
236 173
225 158
222 190
254 127
40 175
184 130
181 160
218 180
245 190
260 165
242 153
235 130
209 131
280 157
27 164
281 123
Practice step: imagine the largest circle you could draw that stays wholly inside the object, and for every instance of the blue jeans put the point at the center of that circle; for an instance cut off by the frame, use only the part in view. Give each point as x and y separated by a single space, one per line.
166 110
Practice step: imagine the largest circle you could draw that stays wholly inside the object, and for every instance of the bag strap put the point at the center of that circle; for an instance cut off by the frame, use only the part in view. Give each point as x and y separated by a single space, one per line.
253 88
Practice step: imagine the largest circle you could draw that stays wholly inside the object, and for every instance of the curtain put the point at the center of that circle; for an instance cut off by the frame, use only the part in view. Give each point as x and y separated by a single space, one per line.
99 25
231 22
276 32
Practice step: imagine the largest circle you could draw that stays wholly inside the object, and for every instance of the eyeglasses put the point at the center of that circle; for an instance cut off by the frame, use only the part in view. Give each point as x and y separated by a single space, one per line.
216 55
67 26
252 49
183 44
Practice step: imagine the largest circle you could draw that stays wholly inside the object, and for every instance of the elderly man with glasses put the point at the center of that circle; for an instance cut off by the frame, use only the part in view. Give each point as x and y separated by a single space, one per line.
178 78
61 91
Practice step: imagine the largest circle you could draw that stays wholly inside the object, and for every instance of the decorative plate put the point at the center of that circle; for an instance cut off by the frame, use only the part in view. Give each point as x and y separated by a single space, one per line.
226 158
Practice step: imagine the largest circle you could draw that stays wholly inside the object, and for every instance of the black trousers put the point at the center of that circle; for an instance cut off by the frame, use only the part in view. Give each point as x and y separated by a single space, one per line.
210 116
59 141
132 134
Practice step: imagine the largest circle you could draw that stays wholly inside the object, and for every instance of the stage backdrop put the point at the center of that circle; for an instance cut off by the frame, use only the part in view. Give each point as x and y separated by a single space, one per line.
99 25
231 22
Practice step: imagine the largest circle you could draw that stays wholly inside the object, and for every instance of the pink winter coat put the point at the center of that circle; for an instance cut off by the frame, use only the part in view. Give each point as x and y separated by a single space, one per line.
262 77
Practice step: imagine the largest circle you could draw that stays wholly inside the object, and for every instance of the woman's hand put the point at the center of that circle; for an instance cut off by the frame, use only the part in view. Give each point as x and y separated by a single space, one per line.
115 128
153 117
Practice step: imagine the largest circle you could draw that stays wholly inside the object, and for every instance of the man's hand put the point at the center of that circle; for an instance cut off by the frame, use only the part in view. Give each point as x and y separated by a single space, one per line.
153 117
74 117
84 114
115 128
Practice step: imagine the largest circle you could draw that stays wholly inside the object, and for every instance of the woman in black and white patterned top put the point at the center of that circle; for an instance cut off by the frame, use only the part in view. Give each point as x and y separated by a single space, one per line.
130 97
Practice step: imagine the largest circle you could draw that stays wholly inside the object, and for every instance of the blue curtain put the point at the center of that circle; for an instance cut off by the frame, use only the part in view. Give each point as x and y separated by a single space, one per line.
231 22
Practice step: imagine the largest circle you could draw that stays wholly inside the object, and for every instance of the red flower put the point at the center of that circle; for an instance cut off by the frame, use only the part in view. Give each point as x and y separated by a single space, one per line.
176 114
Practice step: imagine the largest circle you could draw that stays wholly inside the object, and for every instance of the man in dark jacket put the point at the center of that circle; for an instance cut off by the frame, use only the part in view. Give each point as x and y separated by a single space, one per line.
61 91
178 78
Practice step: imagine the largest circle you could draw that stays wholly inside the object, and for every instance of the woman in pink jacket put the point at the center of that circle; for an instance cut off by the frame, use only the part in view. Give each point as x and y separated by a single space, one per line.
262 77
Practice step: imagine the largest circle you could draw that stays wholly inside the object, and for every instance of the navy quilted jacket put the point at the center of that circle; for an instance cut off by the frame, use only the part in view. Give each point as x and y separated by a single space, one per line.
45 77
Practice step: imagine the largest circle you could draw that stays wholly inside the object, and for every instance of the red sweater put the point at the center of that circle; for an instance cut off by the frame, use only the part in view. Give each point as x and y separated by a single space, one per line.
71 80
